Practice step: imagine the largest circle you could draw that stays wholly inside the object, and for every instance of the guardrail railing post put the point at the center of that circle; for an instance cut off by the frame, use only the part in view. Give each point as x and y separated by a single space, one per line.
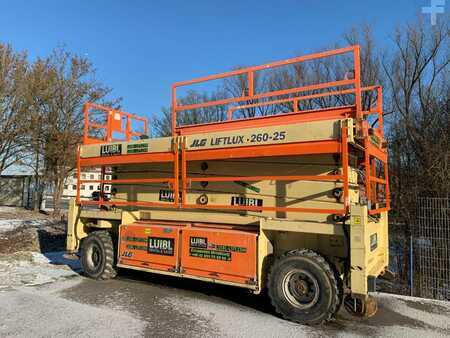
176 173
78 175
344 152
380 109
174 109
357 79
295 102
251 89
86 122
183 172
109 117
128 128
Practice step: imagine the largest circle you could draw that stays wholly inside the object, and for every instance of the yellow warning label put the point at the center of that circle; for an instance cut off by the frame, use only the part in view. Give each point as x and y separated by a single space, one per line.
147 231
357 220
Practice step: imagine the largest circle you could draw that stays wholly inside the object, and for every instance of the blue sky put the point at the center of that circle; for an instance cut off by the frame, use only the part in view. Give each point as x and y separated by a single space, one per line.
140 48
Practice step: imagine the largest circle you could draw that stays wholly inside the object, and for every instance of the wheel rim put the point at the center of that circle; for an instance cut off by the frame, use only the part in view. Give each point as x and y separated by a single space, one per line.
300 288
94 257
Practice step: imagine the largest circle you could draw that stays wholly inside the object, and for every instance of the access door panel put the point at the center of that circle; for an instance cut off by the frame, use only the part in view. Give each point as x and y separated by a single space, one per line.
228 255
150 246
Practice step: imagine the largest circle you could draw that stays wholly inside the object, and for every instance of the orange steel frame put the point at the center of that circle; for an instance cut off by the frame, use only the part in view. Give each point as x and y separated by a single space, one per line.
251 95
371 152
114 121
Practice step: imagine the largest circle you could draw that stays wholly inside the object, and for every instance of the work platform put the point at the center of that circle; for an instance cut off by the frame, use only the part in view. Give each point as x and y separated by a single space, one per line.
338 140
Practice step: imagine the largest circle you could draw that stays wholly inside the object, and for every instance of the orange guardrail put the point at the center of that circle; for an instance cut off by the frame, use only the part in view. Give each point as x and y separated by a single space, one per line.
112 122
249 93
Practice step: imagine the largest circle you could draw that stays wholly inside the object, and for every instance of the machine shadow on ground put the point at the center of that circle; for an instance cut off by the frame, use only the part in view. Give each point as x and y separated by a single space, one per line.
236 295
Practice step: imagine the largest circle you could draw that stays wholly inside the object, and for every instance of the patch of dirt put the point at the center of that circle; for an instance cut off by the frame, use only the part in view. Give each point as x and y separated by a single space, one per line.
22 213
39 232
20 239
396 287
45 239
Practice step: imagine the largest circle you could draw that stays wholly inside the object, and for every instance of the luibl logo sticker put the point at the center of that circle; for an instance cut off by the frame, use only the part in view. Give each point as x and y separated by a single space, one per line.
161 246
246 201
198 242
167 195
110 149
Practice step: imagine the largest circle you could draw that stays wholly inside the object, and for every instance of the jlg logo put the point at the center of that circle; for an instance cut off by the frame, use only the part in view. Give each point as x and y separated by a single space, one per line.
198 143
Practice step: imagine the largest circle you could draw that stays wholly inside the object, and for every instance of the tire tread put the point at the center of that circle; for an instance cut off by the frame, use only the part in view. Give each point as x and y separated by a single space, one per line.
110 270
331 273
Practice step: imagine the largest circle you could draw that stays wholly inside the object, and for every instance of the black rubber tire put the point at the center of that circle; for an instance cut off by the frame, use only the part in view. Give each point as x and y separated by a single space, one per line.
327 293
104 265
340 285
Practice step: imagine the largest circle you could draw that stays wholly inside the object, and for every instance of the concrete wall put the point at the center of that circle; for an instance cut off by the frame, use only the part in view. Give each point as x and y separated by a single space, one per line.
13 190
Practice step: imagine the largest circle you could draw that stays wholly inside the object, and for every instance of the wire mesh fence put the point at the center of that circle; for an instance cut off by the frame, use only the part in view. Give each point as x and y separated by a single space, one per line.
419 251
431 249
399 261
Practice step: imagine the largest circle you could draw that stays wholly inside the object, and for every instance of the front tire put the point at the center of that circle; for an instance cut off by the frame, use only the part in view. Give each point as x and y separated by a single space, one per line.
303 287
98 258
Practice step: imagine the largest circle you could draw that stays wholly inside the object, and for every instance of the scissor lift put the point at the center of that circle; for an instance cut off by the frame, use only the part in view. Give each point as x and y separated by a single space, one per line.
296 202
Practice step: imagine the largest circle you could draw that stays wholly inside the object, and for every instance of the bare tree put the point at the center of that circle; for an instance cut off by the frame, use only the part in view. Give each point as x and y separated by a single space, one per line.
417 73
35 96
162 126
238 86
57 88
417 95
13 69
72 83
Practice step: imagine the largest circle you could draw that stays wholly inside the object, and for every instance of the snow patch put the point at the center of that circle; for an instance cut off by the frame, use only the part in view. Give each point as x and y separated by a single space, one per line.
32 268
12 224
7 209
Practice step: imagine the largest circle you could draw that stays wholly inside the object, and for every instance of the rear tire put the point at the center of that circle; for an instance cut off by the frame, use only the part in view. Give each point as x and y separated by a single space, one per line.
303 287
98 256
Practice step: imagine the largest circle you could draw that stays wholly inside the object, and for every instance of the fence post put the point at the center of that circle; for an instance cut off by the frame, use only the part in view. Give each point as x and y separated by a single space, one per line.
411 265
